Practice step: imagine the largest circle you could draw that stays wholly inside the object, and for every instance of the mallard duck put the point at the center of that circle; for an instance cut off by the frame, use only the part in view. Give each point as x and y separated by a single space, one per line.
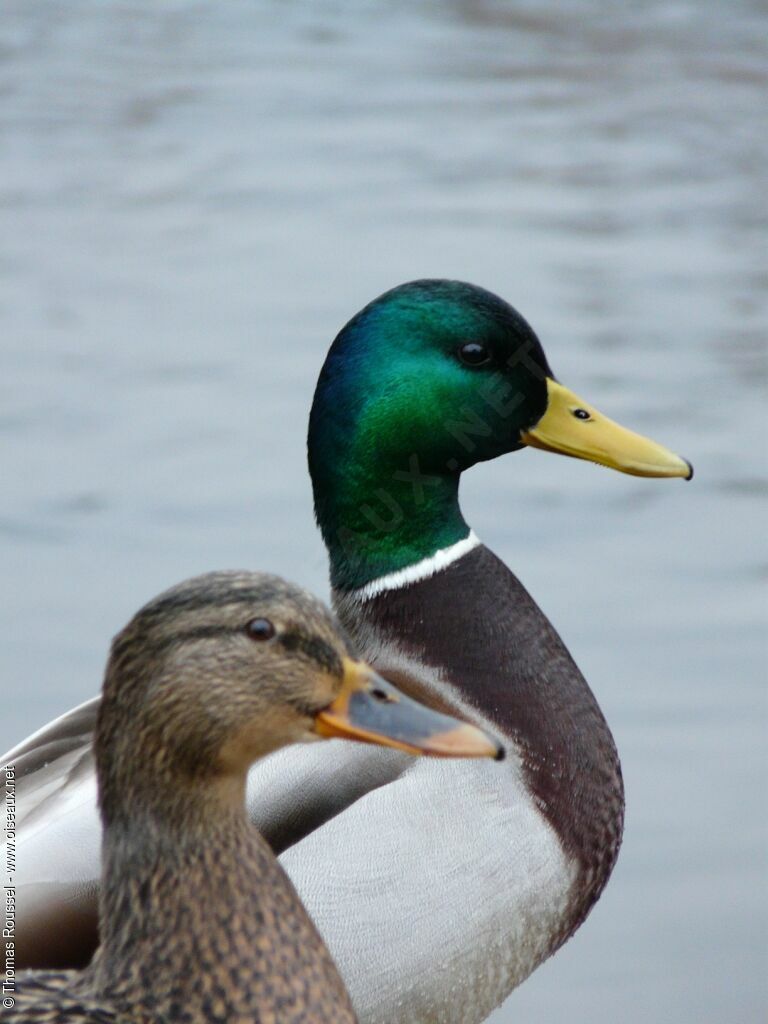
214 674
442 921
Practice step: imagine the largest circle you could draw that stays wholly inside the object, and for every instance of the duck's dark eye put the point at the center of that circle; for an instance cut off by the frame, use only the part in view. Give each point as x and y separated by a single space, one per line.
260 629
473 353
581 414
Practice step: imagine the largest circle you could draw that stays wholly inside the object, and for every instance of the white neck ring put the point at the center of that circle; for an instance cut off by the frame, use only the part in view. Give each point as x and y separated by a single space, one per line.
422 570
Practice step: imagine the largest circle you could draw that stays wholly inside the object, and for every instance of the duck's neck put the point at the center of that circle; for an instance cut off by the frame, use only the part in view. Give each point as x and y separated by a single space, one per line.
380 515
183 908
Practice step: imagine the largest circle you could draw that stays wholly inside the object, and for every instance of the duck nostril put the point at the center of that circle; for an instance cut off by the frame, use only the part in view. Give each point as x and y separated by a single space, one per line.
581 414
378 694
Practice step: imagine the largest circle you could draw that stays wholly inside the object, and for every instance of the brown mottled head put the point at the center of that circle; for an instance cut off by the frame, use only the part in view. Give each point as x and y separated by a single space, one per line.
228 667
214 673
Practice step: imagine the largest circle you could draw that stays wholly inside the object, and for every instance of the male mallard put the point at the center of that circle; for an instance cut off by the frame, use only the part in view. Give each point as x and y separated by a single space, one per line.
212 675
439 921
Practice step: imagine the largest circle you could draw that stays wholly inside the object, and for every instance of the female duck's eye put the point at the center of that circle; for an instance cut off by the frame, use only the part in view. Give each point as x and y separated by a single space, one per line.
581 414
260 629
472 353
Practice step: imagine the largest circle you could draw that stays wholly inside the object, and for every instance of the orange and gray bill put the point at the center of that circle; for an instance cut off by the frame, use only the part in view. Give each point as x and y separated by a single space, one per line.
371 710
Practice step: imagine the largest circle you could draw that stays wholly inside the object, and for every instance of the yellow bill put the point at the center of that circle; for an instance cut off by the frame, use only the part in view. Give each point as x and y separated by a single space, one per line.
371 710
573 427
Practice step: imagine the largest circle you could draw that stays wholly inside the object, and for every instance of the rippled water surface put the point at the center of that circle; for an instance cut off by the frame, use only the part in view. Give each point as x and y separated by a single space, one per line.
194 197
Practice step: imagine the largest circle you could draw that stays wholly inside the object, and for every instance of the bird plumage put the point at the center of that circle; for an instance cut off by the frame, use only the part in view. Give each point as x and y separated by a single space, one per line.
427 380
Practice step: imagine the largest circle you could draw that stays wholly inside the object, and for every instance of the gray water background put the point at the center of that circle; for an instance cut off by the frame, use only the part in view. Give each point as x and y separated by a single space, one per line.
194 197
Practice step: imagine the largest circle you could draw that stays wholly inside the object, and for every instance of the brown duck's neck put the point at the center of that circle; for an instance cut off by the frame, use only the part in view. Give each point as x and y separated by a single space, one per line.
200 923
182 916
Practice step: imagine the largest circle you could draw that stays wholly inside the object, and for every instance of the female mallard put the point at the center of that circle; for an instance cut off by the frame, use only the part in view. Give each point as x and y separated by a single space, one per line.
212 675
438 922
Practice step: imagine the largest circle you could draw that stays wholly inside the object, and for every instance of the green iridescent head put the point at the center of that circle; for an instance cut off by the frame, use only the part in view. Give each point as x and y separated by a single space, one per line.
427 380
